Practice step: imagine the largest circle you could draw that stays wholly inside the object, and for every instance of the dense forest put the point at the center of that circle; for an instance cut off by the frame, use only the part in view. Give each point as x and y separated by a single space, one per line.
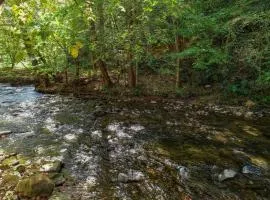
171 45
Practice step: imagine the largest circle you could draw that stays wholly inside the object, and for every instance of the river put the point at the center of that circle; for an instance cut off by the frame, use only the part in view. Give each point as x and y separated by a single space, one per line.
138 149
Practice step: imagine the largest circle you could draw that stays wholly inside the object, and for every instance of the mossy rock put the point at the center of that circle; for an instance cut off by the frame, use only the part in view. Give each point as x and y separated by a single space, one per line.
45 131
4 167
35 186
10 180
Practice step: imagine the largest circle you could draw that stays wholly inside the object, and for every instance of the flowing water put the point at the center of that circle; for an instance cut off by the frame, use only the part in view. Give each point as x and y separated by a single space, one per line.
168 150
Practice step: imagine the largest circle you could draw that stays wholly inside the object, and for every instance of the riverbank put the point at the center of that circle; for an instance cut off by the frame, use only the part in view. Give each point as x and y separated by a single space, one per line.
17 76
159 89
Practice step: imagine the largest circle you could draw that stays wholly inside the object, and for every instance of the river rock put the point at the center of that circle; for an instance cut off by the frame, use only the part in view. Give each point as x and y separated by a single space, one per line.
35 187
52 167
249 169
5 133
15 163
249 115
70 137
183 172
226 174
131 176
123 178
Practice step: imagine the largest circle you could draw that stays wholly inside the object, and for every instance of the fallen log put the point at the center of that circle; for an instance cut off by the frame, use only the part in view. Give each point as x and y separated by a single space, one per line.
5 133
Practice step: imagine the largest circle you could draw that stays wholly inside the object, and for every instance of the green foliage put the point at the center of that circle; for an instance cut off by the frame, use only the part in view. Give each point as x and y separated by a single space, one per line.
224 42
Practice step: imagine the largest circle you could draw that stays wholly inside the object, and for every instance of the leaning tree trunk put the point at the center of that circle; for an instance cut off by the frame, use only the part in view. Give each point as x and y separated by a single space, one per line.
100 62
106 78
132 76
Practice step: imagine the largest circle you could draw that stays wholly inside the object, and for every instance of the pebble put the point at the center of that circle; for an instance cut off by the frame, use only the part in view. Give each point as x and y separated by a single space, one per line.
183 172
131 176
51 167
226 174
249 169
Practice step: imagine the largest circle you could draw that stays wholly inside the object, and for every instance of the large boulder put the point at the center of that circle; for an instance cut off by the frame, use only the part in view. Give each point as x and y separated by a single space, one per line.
37 186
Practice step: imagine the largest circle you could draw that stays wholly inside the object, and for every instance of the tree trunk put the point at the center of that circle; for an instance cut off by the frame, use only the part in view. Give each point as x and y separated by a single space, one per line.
106 78
101 27
132 78
77 76
66 76
178 63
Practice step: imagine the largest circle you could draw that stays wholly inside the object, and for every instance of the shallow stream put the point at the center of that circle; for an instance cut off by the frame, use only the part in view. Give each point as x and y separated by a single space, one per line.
138 149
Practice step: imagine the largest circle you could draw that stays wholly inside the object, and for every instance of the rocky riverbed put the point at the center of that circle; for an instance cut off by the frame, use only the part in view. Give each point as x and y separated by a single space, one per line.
61 147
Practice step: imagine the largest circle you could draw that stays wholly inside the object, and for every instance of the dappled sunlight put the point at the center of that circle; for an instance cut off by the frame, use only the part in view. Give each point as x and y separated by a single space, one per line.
131 156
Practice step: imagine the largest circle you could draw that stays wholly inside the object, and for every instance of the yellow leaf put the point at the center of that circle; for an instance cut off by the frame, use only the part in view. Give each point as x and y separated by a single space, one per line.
74 51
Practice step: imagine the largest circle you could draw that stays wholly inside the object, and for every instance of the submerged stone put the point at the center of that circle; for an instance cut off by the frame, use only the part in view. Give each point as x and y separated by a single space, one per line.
249 169
131 176
70 137
227 174
52 167
183 172
123 178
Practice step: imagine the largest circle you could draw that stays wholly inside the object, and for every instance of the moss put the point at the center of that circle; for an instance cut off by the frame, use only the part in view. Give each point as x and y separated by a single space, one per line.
37 185
10 160
45 131
10 180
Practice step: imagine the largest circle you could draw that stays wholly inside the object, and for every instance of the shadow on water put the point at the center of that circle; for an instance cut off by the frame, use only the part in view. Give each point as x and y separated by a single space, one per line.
171 155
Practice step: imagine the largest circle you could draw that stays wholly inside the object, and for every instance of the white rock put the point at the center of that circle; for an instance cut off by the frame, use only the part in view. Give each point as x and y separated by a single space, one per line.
97 134
51 167
91 181
122 178
70 137
136 128
226 174
135 175
132 176
183 172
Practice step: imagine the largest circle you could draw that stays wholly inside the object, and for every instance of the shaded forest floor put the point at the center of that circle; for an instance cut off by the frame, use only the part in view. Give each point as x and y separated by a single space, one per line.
150 87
